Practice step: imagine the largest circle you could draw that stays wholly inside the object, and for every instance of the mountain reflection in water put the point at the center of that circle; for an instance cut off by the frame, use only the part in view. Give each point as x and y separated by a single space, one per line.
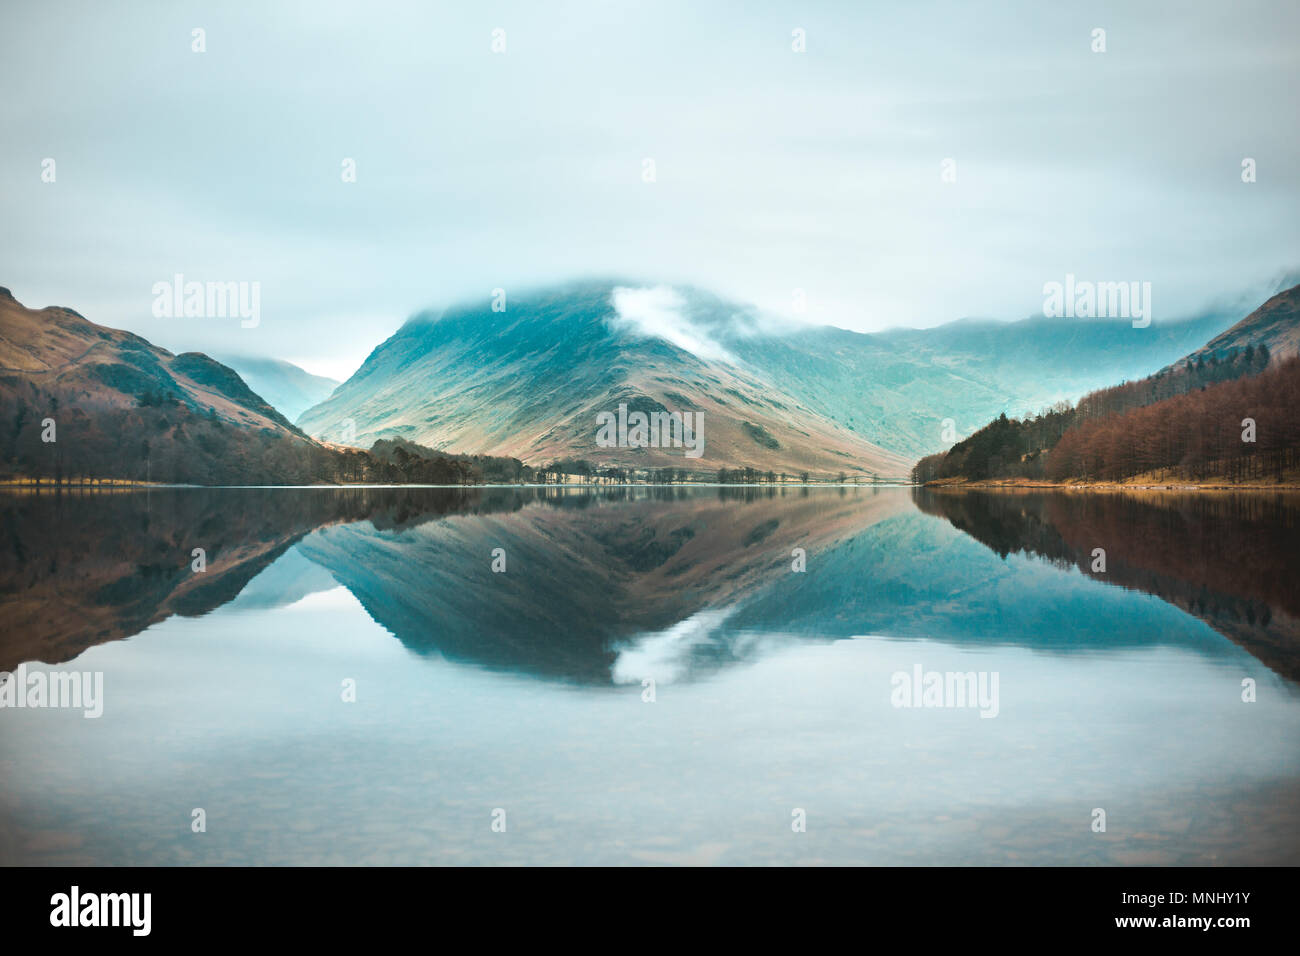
649 679
686 576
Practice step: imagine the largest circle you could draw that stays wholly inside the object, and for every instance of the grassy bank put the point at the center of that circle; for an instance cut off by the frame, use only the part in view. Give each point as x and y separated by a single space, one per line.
1150 482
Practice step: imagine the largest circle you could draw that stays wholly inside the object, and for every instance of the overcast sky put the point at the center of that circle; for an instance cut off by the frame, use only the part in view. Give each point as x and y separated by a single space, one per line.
775 170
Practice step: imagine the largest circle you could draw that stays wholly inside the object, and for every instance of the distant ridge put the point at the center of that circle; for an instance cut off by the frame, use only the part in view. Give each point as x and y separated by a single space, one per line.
529 381
1183 420
292 390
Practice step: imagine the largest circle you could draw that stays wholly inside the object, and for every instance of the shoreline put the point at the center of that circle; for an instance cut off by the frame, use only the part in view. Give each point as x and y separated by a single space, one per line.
109 485
1015 484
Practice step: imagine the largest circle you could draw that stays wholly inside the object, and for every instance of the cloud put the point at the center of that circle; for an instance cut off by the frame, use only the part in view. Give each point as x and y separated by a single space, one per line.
660 312
820 172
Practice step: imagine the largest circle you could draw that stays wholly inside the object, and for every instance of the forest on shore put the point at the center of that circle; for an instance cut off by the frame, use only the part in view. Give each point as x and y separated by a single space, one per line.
1233 418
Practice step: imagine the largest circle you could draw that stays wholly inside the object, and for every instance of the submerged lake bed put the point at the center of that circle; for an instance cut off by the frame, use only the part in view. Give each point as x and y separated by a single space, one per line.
677 675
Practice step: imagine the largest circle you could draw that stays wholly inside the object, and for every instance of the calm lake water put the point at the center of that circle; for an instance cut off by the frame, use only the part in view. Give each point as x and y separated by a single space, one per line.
525 694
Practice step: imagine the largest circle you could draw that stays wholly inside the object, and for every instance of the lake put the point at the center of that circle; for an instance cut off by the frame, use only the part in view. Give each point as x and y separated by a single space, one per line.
675 675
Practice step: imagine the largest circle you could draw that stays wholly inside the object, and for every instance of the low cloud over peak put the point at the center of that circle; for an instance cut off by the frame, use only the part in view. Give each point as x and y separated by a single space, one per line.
661 312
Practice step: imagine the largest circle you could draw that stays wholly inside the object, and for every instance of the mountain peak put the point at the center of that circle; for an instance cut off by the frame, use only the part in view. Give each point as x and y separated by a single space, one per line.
530 379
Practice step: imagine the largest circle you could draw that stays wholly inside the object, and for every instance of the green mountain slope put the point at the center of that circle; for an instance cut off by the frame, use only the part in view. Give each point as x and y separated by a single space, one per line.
528 382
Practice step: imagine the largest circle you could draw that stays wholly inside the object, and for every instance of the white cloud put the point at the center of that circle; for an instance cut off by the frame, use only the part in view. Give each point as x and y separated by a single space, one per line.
660 312
820 172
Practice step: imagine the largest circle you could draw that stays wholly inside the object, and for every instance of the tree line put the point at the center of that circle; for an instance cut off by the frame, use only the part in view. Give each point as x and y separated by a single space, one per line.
1240 430
1102 437
162 439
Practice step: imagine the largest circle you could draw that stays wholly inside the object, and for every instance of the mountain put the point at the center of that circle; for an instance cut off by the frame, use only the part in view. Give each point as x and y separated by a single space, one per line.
897 387
79 401
529 381
1274 325
82 401
1179 420
290 389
